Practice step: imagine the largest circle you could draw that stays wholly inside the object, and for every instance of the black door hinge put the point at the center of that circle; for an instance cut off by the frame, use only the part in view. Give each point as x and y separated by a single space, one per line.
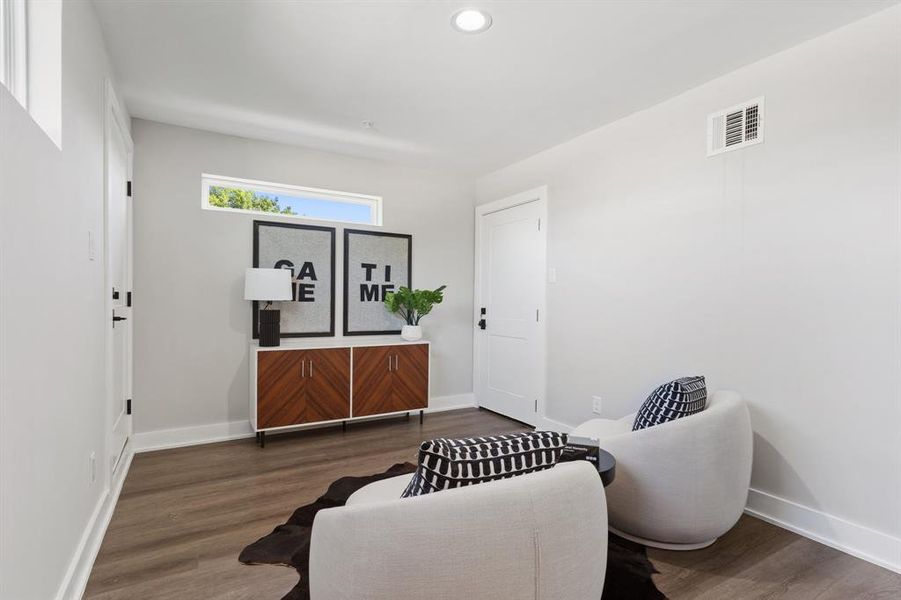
128 406
128 189
127 298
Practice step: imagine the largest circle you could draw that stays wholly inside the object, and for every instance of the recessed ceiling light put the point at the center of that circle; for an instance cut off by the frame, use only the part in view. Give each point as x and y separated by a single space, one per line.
471 20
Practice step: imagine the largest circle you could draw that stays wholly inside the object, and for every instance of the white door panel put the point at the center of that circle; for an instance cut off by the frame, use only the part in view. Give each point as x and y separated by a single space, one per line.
118 259
509 349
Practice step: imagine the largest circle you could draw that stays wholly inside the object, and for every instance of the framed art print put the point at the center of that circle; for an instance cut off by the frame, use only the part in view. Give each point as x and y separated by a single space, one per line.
375 263
308 251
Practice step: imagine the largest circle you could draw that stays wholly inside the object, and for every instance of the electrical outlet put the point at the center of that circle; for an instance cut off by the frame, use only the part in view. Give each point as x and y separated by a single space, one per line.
596 405
93 461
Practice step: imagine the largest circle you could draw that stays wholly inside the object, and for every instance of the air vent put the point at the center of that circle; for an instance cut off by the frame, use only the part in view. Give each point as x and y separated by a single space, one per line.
735 127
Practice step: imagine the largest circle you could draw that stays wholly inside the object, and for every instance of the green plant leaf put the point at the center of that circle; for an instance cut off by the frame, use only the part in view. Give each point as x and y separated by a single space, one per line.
413 305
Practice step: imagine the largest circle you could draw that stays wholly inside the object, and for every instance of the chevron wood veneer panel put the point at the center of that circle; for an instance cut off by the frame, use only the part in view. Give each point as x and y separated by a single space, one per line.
373 380
390 379
280 388
302 386
411 377
332 382
328 385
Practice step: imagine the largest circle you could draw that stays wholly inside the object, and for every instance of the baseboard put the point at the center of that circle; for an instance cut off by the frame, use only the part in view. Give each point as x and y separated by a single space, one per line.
164 439
79 571
857 540
851 538
547 424
76 578
539 422
455 402
222 432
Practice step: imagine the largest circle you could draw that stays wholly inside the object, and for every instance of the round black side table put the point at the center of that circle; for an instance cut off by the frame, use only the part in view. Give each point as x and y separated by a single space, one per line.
606 467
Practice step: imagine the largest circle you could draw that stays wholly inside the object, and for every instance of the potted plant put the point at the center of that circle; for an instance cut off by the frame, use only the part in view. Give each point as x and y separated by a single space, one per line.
412 306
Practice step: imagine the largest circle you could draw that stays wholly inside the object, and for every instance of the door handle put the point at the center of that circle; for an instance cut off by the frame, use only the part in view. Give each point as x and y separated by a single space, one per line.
117 319
482 324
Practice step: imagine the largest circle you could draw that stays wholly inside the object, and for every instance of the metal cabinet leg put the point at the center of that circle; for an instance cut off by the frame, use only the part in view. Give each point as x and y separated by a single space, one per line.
262 439
343 425
422 412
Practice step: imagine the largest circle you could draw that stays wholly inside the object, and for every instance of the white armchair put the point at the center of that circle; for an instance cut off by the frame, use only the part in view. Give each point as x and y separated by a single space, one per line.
542 535
682 484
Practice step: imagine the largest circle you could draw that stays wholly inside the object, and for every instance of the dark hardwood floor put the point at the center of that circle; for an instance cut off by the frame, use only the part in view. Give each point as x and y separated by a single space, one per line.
185 514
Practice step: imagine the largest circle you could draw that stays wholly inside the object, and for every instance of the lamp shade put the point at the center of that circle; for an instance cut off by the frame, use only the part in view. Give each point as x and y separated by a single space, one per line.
267 285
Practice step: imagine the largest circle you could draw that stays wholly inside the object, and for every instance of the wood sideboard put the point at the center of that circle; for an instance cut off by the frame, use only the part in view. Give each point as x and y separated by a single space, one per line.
330 381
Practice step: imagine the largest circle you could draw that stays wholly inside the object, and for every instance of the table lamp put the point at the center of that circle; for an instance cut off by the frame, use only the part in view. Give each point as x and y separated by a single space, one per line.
268 285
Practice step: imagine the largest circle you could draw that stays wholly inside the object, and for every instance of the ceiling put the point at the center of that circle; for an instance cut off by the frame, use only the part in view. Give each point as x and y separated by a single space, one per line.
310 73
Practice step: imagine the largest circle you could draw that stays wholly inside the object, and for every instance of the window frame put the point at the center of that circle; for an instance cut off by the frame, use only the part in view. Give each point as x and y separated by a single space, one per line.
14 48
267 187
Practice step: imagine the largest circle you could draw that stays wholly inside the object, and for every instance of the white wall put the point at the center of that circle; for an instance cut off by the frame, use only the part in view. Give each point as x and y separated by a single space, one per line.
52 323
772 270
192 326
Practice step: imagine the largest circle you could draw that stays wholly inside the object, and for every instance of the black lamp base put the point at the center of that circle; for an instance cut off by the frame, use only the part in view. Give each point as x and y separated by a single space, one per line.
270 330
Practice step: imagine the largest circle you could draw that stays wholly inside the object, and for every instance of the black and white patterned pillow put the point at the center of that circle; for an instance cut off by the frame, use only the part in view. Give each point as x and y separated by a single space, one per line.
447 463
674 400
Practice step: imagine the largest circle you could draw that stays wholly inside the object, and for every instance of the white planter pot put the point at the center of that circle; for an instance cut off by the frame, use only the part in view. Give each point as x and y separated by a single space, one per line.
411 333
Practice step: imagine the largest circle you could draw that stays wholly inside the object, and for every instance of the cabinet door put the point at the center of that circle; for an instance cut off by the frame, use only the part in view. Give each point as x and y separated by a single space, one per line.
327 384
373 370
280 388
411 377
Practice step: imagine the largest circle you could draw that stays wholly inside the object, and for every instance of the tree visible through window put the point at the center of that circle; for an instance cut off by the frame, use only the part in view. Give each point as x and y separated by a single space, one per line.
246 195
246 200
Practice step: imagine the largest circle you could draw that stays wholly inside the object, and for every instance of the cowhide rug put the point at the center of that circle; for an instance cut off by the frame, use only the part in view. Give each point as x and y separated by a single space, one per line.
628 568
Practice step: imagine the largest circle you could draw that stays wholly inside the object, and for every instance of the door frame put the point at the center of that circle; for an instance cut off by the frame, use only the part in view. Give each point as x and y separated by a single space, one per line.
113 116
540 196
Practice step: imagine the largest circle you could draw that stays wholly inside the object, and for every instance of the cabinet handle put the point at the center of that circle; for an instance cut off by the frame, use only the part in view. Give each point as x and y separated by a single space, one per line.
303 369
311 368
389 363
395 362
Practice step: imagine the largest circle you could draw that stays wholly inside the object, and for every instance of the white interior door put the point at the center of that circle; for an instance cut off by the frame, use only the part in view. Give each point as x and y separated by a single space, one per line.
118 276
509 347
